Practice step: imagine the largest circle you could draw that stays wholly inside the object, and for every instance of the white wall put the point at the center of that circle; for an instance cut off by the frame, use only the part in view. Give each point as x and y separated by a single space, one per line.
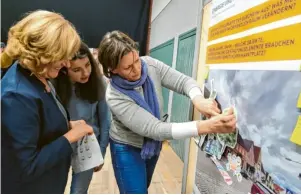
158 6
177 17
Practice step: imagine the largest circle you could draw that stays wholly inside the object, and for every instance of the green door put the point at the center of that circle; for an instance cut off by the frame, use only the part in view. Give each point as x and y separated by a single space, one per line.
180 103
164 53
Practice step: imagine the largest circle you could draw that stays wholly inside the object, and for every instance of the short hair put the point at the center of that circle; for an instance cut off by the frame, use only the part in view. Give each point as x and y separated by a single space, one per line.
40 38
112 48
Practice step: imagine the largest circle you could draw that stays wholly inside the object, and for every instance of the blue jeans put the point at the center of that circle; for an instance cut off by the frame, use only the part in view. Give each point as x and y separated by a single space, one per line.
81 181
132 173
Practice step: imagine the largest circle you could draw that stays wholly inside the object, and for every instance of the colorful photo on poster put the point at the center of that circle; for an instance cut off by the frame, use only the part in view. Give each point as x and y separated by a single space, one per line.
253 56
264 159
229 139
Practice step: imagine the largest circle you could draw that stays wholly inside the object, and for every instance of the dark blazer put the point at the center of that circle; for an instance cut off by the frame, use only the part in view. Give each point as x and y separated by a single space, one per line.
35 155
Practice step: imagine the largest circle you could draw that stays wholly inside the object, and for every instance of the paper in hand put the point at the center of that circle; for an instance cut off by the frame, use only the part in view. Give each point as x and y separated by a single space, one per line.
86 154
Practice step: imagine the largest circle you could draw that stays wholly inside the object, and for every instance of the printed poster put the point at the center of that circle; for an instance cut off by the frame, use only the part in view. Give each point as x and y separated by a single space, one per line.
254 61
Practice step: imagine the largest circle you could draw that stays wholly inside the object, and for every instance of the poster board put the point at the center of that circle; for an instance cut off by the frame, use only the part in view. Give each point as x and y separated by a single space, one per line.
252 52
201 72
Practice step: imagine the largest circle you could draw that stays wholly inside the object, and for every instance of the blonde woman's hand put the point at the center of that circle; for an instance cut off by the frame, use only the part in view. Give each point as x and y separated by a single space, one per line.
96 169
78 130
72 124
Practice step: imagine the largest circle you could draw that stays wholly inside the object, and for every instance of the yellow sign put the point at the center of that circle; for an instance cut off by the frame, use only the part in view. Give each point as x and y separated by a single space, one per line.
206 74
274 45
296 136
299 101
270 11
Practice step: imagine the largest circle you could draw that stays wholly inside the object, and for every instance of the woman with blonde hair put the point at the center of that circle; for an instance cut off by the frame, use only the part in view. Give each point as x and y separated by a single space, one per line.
35 131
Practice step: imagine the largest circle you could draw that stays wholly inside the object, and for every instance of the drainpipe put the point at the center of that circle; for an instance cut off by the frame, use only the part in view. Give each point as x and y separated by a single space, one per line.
149 26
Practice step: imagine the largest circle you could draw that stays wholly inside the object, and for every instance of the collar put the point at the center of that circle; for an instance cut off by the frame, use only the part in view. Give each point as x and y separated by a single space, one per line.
28 74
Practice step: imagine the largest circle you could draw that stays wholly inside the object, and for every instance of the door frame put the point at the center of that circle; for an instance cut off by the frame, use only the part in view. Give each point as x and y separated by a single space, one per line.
166 43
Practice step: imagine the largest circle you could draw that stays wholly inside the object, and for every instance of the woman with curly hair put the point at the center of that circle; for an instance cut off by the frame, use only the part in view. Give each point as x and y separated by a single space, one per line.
36 132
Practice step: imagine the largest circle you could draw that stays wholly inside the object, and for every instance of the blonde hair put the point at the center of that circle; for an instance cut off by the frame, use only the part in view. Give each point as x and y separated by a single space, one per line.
5 60
40 38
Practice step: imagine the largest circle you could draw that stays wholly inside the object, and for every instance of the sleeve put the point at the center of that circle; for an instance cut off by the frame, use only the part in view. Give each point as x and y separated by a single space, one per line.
21 122
104 115
195 91
145 124
136 118
173 79
184 130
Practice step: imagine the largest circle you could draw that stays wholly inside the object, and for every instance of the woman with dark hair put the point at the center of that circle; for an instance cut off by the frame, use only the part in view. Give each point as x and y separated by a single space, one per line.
81 89
134 96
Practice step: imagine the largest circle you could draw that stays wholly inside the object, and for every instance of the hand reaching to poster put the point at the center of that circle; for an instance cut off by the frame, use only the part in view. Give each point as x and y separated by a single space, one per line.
222 123
207 107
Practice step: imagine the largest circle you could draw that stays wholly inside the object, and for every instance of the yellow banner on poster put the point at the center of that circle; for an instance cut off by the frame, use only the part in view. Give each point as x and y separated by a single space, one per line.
296 136
274 45
206 73
270 11
299 101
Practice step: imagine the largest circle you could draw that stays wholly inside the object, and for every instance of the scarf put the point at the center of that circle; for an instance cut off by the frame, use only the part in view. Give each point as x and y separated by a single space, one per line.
149 102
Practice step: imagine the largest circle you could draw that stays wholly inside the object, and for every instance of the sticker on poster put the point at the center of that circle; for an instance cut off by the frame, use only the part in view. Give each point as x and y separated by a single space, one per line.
234 165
